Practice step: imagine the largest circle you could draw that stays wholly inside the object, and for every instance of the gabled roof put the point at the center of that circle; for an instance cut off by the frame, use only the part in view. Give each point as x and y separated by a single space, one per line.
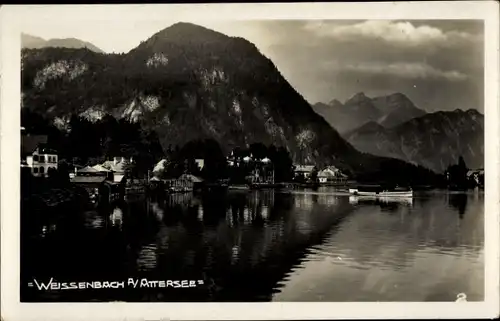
326 173
160 165
100 168
88 169
191 178
118 178
88 179
119 167
304 168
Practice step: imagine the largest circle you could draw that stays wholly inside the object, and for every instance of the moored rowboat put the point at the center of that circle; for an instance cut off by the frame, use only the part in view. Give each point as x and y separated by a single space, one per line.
383 193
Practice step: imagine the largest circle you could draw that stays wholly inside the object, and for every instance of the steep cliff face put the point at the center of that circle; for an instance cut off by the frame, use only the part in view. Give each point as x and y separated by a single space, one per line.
435 140
187 83
388 111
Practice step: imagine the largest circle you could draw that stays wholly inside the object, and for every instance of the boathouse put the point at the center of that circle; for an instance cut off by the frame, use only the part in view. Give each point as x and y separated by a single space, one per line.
326 175
99 182
95 186
331 175
303 170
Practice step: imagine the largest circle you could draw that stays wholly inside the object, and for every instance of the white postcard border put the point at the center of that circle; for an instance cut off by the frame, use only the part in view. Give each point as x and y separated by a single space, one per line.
11 19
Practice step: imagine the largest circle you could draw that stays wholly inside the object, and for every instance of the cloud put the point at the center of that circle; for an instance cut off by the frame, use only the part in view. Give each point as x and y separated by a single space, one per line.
409 70
401 33
440 67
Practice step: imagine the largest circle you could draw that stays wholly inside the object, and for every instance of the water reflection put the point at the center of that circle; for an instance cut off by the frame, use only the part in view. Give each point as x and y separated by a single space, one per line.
420 253
147 258
116 217
262 246
384 201
459 202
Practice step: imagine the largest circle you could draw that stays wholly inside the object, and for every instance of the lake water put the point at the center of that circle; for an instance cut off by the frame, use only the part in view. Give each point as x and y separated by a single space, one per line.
265 246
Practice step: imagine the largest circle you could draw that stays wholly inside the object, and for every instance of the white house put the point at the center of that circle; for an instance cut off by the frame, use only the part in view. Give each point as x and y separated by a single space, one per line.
326 175
39 157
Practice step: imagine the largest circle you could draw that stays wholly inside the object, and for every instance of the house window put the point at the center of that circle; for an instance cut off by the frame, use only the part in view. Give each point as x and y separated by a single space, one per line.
42 170
35 170
35 158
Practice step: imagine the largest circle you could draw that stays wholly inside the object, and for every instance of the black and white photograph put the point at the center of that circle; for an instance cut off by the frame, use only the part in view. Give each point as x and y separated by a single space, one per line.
168 156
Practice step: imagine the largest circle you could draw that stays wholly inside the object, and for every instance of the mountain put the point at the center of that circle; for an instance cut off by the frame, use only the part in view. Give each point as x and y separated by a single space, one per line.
397 109
189 83
434 140
389 111
33 42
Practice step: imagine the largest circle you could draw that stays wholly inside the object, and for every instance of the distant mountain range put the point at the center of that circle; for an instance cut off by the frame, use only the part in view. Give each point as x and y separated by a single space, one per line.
185 83
33 42
388 111
434 140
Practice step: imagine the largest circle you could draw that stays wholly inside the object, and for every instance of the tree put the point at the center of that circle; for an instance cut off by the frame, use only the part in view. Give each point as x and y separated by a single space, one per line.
282 163
457 175
314 175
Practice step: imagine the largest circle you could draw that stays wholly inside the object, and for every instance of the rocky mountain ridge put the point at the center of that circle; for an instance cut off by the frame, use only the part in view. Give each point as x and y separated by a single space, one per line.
33 42
435 140
389 111
188 83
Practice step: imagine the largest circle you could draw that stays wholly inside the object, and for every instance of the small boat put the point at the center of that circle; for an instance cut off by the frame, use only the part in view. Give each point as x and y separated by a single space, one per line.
379 192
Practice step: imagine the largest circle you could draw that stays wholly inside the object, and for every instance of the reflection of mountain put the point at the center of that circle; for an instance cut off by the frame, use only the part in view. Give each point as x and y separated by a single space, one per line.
247 244
423 253
459 202
430 224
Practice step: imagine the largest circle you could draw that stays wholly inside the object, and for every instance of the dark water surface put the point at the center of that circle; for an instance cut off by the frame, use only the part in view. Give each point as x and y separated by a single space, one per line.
265 246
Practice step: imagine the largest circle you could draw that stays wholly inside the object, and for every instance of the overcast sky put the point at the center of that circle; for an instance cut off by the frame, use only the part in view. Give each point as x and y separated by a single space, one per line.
438 64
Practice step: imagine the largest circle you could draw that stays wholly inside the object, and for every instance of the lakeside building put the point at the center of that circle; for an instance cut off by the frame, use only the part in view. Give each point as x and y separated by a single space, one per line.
256 170
326 175
38 155
118 166
99 182
185 182
476 177
331 174
303 170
